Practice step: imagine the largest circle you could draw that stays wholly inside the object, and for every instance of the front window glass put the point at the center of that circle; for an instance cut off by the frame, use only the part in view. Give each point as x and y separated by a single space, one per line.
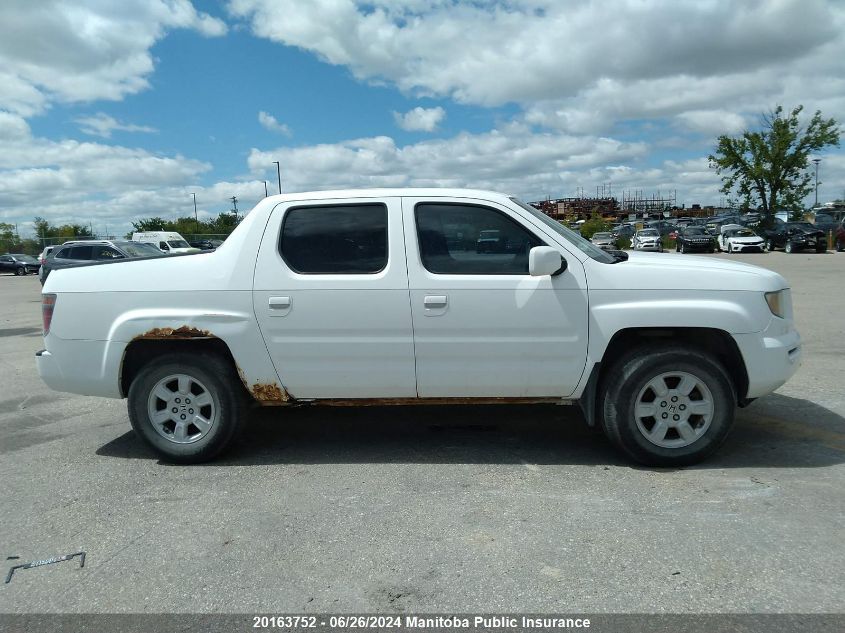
575 239
344 239
464 239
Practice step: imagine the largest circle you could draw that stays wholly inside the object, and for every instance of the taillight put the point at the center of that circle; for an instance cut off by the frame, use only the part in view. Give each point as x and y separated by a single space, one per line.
48 304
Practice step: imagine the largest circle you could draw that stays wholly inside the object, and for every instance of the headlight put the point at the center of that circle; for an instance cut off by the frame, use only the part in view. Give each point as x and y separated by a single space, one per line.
776 303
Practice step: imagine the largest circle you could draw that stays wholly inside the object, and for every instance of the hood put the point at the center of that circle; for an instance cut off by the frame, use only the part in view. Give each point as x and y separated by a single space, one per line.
670 271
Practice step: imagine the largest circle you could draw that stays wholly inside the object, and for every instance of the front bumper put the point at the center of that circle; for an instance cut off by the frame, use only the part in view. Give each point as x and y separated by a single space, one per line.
771 356
739 248
649 246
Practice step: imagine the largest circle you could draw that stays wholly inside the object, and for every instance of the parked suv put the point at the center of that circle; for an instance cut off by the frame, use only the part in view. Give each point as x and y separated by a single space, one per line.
76 253
694 238
839 237
359 298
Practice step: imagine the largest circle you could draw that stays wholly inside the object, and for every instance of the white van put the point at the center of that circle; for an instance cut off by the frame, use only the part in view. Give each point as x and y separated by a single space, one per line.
168 241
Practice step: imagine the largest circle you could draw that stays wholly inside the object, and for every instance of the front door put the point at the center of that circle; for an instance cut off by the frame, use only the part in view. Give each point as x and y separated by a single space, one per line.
483 327
331 297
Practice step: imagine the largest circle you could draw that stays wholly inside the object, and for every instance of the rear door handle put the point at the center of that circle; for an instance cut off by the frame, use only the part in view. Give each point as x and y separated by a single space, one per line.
279 306
435 301
279 303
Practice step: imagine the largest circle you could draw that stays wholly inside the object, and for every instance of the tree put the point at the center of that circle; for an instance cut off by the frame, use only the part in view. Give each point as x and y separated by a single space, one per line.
771 165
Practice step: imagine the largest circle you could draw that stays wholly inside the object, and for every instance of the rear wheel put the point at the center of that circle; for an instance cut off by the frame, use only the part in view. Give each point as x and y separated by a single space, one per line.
667 406
187 407
20 271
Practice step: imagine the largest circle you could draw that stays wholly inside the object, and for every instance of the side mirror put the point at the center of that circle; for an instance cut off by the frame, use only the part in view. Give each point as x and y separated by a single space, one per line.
545 260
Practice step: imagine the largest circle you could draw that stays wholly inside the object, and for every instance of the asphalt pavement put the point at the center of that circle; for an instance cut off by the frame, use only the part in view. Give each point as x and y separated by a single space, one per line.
422 509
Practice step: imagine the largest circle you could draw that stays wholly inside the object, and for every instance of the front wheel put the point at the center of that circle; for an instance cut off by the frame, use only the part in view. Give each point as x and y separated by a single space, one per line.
20 271
769 245
667 405
838 246
187 407
788 248
683 248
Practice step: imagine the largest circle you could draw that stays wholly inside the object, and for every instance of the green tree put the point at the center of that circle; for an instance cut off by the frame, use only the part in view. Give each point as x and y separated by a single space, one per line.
595 224
771 165
150 224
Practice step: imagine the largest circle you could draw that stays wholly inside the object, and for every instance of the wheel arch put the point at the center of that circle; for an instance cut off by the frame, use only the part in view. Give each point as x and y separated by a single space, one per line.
713 341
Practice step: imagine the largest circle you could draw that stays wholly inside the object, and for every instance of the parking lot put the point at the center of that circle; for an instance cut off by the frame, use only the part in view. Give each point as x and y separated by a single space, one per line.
421 509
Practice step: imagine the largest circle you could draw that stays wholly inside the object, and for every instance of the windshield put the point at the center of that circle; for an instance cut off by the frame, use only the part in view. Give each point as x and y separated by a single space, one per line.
28 259
744 233
583 245
694 231
140 249
178 244
649 233
601 236
803 225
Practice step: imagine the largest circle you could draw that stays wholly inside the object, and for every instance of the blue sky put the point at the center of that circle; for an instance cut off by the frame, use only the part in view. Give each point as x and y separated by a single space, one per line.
111 112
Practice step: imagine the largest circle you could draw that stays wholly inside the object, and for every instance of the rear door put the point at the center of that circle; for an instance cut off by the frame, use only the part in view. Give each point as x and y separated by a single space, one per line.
483 327
331 297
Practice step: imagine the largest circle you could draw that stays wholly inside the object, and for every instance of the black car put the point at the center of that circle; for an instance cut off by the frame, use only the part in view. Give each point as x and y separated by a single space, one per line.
18 264
694 238
76 253
796 236
206 245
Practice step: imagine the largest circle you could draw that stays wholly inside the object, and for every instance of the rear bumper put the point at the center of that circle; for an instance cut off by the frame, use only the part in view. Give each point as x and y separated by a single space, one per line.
771 357
90 368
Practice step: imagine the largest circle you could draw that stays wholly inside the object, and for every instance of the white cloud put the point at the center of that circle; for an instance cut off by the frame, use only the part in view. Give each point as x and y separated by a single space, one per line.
582 67
512 159
86 50
420 119
103 125
269 122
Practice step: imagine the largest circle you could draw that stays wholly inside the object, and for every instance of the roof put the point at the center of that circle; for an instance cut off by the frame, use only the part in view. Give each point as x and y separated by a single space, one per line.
413 192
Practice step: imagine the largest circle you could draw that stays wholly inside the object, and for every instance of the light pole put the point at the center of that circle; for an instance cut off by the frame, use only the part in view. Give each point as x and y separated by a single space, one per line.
279 174
817 161
196 219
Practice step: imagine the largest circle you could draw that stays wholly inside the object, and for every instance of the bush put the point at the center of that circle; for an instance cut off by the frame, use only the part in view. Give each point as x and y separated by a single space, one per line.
624 243
595 224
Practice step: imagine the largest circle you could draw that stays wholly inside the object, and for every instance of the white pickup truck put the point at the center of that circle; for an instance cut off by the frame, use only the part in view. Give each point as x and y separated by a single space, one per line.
382 297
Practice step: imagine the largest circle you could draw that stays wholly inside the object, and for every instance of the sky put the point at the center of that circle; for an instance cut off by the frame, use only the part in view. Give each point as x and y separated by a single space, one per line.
115 111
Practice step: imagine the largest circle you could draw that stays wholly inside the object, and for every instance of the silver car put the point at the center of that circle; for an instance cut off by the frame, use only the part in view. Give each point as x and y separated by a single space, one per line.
647 240
604 241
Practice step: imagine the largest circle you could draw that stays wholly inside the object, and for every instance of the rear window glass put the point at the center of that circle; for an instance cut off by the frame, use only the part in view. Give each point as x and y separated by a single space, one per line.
76 252
342 239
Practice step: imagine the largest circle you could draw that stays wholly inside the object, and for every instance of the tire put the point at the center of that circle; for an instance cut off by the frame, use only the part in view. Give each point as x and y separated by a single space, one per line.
218 399
20 272
788 248
627 383
769 246
821 248
683 248
838 246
